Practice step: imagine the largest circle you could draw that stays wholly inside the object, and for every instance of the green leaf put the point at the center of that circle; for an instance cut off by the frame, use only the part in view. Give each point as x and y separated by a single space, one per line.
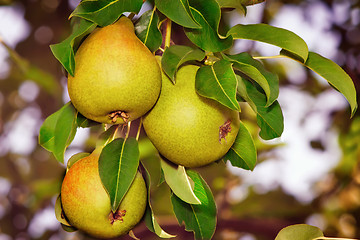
255 70
242 153
64 52
269 119
299 232
178 11
68 228
179 182
175 55
58 131
74 158
146 28
335 76
84 122
201 219
65 130
149 216
207 13
218 82
47 130
59 213
105 12
232 4
118 164
280 37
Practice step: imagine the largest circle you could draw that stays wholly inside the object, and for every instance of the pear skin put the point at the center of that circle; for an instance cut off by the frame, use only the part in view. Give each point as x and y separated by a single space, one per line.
117 79
86 203
186 128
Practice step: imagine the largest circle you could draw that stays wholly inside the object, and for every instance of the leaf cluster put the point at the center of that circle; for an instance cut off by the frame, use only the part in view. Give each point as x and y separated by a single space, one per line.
228 79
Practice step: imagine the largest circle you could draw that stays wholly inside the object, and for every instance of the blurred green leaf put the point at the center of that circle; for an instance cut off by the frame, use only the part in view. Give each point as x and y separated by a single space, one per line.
280 37
107 136
201 219
147 30
31 72
252 68
179 182
175 55
242 153
269 119
147 149
274 204
105 12
251 2
335 76
349 143
218 82
207 13
299 232
149 216
64 52
118 164
178 11
5 2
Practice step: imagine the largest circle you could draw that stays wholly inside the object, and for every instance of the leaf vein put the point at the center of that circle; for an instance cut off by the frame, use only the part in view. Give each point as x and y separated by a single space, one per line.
148 29
117 178
197 220
223 90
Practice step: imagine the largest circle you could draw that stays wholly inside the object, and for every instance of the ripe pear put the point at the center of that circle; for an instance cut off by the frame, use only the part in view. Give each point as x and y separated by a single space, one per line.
186 128
117 79
86 203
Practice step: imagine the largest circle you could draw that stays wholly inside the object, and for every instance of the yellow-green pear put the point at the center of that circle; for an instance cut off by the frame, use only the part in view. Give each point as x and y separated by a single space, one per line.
117 79
189 129
86 203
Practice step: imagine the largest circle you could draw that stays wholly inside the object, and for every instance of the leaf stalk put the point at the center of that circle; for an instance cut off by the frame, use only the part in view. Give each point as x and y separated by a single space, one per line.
168 33
128 130
139 129
131 16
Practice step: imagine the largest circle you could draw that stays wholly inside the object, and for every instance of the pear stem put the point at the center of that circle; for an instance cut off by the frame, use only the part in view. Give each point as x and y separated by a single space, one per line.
139 129
115 133
131 16
168 33
128 130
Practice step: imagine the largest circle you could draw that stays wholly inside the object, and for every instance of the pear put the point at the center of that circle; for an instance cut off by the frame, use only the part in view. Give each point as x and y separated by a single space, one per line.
117 79
86 203
186 128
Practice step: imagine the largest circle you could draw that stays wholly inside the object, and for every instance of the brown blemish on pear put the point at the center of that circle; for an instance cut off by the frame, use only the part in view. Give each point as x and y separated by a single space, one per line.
224 130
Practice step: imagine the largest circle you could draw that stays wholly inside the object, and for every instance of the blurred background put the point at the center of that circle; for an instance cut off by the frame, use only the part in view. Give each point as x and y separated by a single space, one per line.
309 175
